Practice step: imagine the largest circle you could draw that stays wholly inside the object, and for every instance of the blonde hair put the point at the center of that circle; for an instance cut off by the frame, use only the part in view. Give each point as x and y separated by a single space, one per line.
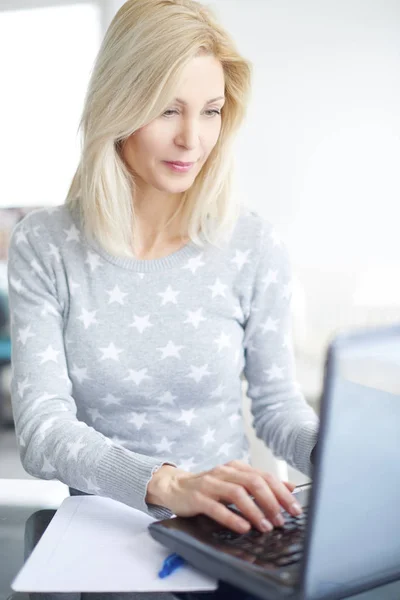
134 78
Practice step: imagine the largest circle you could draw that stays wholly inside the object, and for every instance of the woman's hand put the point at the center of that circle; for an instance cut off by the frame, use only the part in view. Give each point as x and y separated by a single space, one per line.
208 492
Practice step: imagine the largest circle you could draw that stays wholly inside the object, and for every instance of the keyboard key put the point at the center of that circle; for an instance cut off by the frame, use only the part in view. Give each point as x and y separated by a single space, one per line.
288 560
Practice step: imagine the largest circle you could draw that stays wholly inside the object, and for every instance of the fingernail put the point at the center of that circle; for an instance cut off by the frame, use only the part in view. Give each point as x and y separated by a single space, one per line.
266 525
278 520
297 508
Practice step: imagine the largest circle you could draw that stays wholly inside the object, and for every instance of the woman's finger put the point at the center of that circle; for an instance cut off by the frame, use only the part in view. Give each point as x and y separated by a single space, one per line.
290 486
254 485
223 515
233 491
281 492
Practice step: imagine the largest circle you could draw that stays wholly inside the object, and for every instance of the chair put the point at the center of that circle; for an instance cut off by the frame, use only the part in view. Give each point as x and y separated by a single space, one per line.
5 352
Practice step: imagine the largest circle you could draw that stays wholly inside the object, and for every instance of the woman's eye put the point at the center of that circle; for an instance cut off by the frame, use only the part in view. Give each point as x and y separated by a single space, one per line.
213 112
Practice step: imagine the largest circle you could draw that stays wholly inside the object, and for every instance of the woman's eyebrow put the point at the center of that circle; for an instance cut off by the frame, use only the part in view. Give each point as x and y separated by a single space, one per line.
208 101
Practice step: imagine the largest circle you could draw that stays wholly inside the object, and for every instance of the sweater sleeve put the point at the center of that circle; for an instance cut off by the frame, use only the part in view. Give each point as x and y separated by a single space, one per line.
52 442
282 417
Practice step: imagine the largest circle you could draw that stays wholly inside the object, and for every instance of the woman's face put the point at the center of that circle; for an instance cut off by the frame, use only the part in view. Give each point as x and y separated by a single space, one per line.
186 132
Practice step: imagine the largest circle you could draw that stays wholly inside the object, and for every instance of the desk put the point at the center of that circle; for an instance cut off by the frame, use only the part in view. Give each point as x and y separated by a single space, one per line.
20 498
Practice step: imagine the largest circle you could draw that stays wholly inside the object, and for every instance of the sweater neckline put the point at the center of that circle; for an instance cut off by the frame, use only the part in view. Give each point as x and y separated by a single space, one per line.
175 259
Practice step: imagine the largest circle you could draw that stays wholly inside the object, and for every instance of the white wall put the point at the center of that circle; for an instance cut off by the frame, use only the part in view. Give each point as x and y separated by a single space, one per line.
320 151
46 58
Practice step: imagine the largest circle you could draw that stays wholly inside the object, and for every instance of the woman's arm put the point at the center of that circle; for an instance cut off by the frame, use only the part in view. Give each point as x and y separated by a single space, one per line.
282 417
53 443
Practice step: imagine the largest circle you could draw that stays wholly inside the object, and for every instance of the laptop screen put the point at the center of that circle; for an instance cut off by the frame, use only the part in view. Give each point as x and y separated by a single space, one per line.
353 521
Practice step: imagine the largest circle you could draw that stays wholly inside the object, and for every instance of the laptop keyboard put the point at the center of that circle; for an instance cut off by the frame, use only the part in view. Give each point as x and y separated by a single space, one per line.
281 547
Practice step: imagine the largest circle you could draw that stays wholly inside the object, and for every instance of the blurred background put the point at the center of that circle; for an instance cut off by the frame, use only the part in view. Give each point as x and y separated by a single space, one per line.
318 155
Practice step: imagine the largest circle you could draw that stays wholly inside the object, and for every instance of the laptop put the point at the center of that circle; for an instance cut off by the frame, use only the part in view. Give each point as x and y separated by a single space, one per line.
348 539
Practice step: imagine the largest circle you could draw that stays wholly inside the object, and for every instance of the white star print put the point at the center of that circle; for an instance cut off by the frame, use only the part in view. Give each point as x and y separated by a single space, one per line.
167 398
241 258
138 419
287 290
164 445
208 436
224 449
41 399
45 426
218 289
187 465
16 284
198 373
74 448
170 350
222 406
48 309
270 325
36 267
22 386
168 296
88 318
35 230
54 251
72 285
47 468
218 391
50 354
94 413
25 334
274 372
187 416
73 234
110 399
233 418
21 236
195 317
93 260
271 277
223 341
110 352
137 376
116 295
80 374
194 263
286 341
141 323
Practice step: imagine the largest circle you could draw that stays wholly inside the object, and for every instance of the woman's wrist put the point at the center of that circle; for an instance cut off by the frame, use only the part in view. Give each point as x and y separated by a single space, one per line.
158 486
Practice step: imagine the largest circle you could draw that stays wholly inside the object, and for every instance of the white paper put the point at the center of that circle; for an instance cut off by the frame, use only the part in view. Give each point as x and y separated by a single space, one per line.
95 544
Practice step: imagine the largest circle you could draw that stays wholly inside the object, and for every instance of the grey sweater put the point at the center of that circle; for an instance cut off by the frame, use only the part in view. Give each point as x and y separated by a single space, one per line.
121 365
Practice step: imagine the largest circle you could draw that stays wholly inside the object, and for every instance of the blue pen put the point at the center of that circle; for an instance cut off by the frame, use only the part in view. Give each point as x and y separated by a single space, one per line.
170 564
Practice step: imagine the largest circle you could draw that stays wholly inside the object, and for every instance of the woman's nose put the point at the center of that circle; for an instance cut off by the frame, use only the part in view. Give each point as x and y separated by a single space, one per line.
188 135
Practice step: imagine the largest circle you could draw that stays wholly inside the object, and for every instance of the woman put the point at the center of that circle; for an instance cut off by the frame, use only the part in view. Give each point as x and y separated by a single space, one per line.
140 304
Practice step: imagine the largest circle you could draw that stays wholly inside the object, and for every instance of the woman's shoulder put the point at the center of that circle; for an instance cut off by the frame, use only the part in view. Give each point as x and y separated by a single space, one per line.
252 228
42 223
